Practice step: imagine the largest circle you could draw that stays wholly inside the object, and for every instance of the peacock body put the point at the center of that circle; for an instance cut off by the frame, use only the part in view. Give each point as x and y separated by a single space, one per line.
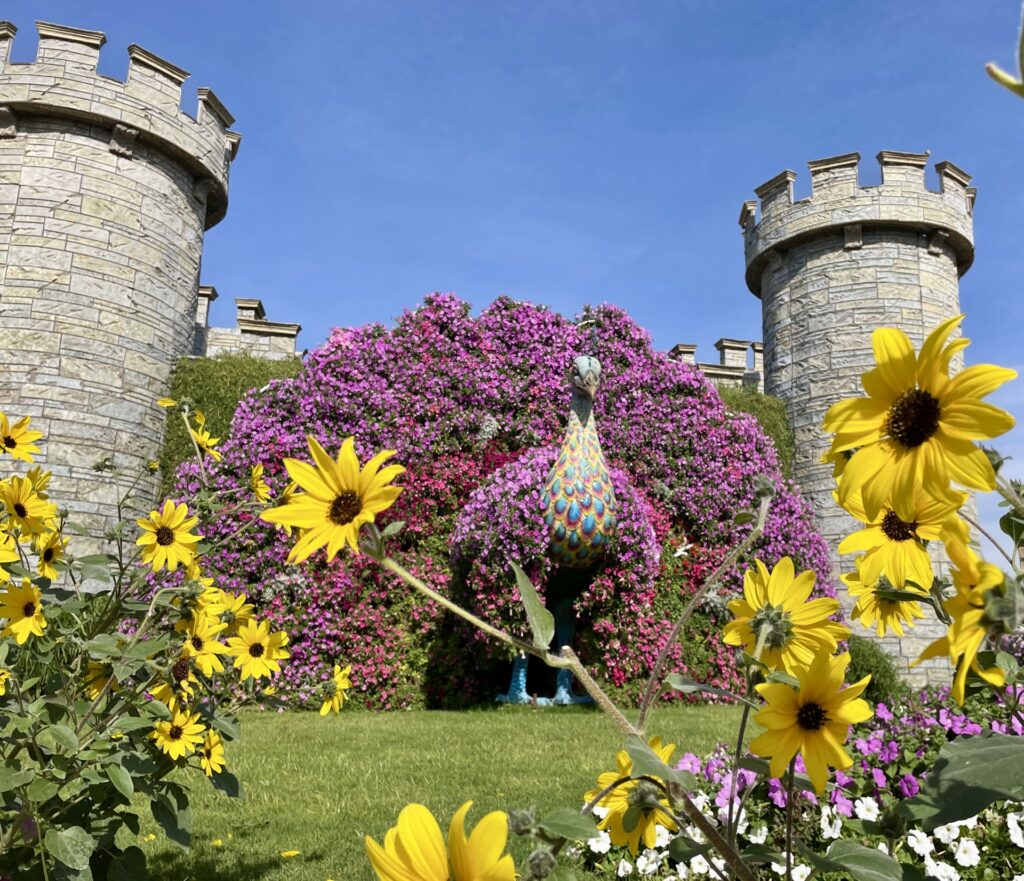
578 499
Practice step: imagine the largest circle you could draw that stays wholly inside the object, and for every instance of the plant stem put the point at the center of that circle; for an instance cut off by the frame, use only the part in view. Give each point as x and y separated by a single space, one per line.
789 818
992 541
655 681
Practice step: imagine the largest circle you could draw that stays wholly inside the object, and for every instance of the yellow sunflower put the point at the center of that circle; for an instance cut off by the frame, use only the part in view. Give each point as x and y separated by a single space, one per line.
813 719
4 676
918 425
23 608
338 498
180 735
257 651
50 549
206 444
896 546
973 580
798 627
334 690
179 686
18 440
39 479
25 508
97 675
201 644
211 756
874 611
166 540
8 553
236 611
655 812
414 849
259 485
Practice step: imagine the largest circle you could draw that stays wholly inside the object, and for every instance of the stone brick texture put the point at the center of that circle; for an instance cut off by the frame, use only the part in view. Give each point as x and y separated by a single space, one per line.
106 189
829 270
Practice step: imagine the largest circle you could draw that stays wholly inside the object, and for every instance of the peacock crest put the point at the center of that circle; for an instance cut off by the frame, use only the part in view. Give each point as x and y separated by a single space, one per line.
578 500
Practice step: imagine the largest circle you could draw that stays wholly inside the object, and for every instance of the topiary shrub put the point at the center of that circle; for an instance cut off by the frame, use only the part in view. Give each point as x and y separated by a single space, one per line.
216 385
475 406
867 656
770 413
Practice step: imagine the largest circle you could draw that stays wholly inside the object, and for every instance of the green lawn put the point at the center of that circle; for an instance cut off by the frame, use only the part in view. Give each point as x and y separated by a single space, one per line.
318 785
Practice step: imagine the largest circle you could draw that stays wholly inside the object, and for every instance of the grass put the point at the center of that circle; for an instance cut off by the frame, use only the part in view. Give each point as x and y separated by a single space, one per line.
319 785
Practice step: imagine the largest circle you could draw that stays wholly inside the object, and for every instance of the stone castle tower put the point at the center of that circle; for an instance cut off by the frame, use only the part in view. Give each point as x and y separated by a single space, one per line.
831 268
106 189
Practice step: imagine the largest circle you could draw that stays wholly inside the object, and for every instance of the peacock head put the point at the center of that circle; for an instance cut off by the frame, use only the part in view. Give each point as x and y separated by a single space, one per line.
586 374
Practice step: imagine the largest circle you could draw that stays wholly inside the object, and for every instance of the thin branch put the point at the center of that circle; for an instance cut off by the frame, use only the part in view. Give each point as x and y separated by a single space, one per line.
992 541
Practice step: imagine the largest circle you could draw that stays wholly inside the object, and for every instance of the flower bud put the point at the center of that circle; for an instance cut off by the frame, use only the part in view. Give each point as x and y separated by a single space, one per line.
521 822
539 865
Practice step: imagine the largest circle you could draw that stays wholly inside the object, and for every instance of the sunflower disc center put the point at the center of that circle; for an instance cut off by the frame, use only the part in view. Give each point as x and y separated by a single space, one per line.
811 717
896 529
180 670
345 508
175 732
256 650
165 536
913 418
48 555
197 643
20 510
9 442
29 610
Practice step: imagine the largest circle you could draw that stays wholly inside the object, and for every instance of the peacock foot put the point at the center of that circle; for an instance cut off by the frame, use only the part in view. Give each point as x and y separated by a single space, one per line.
564 698
521 697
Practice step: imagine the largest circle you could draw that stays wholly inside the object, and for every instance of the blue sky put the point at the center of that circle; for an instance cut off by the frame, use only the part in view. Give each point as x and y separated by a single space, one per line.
569 152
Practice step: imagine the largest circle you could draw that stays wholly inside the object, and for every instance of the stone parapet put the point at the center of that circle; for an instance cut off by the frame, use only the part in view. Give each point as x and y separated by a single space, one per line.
63 82
253 334
732 368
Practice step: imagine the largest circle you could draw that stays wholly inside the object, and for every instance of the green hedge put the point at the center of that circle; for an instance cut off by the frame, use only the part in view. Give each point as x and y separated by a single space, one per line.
216 385
771 415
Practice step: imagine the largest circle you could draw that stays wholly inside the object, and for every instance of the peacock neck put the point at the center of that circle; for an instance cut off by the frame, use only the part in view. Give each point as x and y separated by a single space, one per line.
582 408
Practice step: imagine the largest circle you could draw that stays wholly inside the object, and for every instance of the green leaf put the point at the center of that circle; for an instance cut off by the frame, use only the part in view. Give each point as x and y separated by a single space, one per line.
128 866
60 735
968 775
158 710
393 528
11 778
631 817
146 649
41 790
761 853
646 762
103 646
1013 526
228 727
690 686
783 678
170 810
864 863
568 823
744 517
227 783
72 846
121 779
542 622
683 849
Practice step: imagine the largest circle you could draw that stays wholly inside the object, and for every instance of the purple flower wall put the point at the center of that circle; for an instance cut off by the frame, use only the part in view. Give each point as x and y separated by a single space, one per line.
475 408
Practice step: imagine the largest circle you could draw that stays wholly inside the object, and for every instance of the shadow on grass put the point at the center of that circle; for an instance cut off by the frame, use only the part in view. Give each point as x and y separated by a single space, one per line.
206 866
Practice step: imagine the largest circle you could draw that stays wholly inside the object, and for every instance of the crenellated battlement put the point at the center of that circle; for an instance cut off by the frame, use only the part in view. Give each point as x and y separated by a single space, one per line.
839 205
63 82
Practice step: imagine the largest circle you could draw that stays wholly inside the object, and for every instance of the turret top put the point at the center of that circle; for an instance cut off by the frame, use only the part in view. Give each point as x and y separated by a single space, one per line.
63 82
837 200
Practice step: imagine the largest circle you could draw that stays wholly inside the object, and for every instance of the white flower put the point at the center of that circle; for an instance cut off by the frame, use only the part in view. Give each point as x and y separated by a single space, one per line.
683 549
966 853
866 809
625 868
920 843
695 833
831 824
969 823
681 872
601 844
948 834
758 835
1014 827
600 812
701 802
940 871
719 864
801 873
699 865
742 822
647 863
1018 878
661 836
779 868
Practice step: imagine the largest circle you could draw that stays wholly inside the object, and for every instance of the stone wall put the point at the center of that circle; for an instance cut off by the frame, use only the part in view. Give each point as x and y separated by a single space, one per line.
106 189
734 368
252 334
831 268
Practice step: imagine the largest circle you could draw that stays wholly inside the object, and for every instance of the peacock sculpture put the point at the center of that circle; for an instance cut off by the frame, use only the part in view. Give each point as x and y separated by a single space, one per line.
579 509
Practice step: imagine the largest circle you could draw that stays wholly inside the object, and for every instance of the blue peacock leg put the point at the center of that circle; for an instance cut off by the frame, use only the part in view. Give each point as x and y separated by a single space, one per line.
565 629
517 693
